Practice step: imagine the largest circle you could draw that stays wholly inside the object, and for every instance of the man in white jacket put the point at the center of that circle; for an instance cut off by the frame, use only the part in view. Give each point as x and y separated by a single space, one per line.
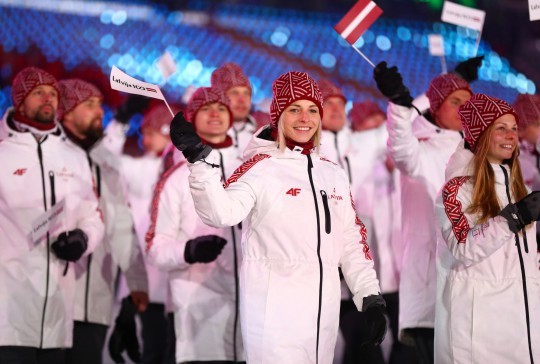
232 81
42 172
420 148
528 109
141 174
202 261
81 117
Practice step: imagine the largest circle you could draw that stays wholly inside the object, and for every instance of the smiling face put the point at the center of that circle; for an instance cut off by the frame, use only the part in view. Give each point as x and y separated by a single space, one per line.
503 139
301 120
212 122
41 104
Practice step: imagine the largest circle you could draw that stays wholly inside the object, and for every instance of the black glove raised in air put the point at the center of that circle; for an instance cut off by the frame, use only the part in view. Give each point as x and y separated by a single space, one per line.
204 249
70 245
390 83
186 140
134 104
468 69
523 212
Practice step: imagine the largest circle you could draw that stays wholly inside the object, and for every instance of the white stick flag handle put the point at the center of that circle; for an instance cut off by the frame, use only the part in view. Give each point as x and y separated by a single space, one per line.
125 83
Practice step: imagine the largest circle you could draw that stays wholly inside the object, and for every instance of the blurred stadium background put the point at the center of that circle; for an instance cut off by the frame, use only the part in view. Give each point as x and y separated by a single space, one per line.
71 38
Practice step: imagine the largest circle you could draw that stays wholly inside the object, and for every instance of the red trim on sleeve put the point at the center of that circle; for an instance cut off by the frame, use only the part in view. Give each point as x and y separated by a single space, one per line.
363 232
453 208
151 233
246 166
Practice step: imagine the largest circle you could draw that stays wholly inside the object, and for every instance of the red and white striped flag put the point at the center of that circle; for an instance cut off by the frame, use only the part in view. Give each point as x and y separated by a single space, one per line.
358 20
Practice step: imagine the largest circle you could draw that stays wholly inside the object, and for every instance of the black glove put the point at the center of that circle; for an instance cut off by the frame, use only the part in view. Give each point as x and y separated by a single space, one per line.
134 104
390 83
468 69
375 316
124 335
523 212
70 245
204 249
185 139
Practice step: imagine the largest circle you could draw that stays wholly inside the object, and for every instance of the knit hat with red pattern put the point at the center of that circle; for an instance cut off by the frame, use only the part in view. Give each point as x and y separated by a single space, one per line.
28 79
228 76
442 86
528 109
328 89
361 111
73 92
290 87
158 118
204 96
479 113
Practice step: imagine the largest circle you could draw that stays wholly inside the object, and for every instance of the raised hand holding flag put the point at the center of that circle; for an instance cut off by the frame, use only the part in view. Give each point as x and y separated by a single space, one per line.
357 21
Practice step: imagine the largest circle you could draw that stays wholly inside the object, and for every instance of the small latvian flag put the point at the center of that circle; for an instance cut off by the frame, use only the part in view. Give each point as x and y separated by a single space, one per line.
357 20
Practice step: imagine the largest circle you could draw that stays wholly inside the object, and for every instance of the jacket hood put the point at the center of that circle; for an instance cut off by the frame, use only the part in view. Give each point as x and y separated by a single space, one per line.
460 163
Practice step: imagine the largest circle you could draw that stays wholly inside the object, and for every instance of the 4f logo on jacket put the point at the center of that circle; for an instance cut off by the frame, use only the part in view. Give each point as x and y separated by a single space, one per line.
20 171
293 192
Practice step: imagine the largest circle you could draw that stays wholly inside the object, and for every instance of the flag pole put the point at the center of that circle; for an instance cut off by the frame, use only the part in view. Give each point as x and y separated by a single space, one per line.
168 107
477 42
363 56
443 64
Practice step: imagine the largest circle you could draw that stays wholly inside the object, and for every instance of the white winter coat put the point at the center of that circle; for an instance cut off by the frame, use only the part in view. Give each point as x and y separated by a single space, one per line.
420 151
96 273
36 303
480 307
296 234
140 175
241 132
203 295
529 165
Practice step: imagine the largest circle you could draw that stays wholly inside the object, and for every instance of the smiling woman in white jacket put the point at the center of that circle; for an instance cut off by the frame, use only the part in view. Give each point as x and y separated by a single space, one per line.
299 227
488 304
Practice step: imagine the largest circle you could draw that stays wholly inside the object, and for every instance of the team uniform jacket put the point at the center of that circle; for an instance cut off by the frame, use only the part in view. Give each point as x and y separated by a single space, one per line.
420 151
482 270
241 132
299 227
529 157
140 175
36 304
204 295
96 273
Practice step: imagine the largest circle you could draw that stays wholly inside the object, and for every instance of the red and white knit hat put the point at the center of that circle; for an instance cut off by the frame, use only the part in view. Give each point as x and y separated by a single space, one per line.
228 76
361 111
75 91
28 79
479 113
442 86
528 108
158 118
292 86
204 96
328 89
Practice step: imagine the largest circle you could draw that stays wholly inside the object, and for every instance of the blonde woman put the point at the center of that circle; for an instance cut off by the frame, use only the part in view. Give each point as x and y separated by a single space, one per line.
299 227
488 302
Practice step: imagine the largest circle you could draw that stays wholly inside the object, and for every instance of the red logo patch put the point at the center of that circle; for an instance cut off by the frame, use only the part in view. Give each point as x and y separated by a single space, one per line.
293 192
20 171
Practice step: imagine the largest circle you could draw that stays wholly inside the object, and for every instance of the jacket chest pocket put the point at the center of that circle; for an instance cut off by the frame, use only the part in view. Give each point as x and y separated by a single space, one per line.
327 217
